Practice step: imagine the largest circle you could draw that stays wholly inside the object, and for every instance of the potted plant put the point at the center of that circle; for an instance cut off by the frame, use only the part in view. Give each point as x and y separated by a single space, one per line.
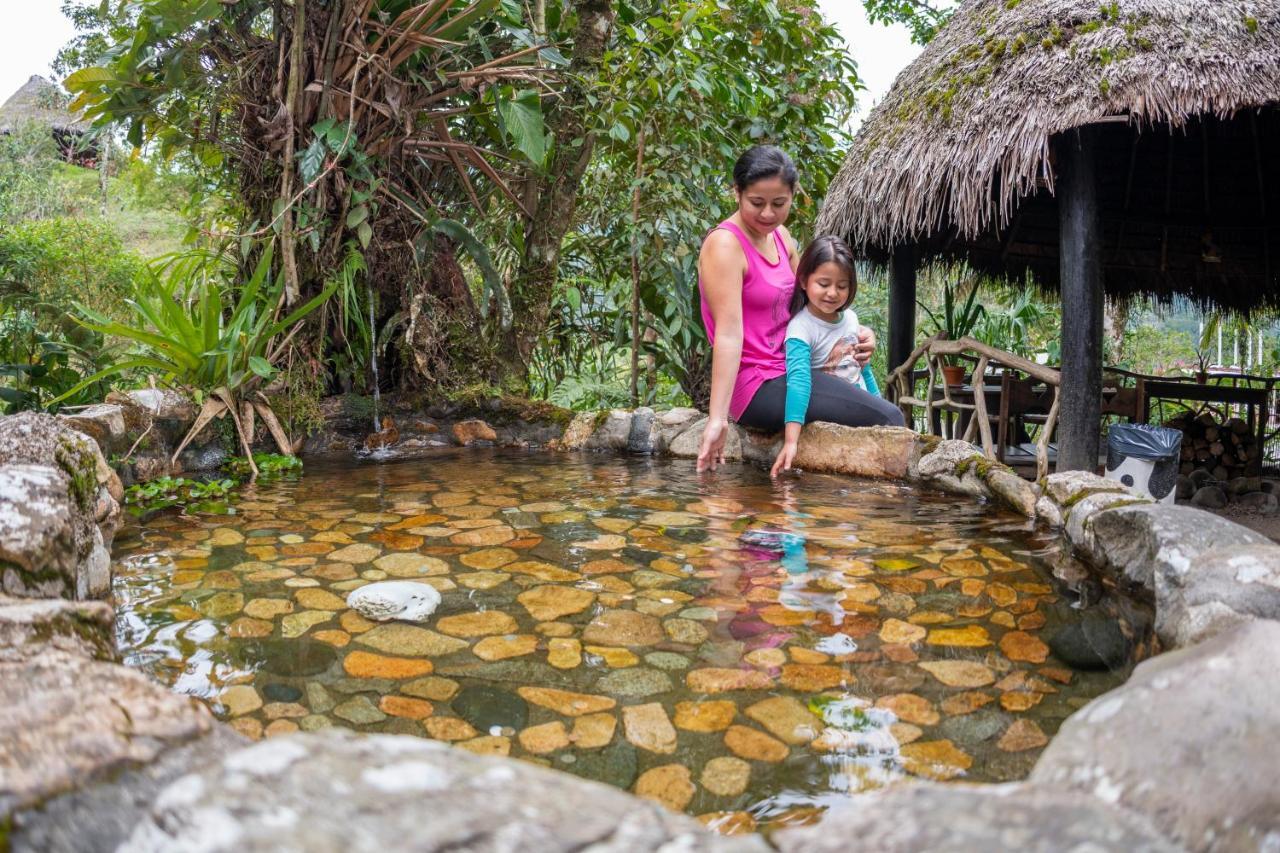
957 320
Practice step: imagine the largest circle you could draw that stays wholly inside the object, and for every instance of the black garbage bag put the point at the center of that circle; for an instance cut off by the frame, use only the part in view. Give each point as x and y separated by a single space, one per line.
1145 458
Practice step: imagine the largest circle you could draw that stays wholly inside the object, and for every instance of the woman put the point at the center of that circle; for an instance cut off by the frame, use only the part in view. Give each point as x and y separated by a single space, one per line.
746 276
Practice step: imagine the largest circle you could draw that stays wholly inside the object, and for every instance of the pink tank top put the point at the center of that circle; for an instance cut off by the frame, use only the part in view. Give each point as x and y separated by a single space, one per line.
766 294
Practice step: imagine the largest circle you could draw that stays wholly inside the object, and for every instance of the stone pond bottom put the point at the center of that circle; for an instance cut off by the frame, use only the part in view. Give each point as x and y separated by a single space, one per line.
748 652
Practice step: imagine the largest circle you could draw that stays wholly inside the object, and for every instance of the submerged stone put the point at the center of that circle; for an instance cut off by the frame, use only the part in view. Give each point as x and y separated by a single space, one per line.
635 682
486 707
296 658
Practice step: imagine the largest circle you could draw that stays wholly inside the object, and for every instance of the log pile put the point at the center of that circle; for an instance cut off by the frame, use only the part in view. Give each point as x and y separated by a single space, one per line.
1224 450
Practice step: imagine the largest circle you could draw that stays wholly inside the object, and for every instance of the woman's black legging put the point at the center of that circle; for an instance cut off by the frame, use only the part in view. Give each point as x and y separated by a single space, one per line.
832 399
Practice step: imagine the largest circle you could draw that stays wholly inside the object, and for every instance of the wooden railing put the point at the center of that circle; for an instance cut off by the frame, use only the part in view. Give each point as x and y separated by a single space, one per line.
938 395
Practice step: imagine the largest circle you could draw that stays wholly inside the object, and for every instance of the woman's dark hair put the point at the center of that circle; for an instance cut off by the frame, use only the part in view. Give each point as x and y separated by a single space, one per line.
764 161
823 250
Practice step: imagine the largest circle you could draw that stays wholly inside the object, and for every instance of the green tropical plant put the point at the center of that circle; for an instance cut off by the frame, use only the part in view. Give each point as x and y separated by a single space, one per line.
164 492
197 329
957 319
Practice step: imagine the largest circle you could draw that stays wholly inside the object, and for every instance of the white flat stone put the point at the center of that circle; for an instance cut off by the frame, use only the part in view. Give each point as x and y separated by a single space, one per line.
387 600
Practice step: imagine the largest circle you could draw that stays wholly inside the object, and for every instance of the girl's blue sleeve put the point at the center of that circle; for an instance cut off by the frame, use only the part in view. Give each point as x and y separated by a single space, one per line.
799 383
869 378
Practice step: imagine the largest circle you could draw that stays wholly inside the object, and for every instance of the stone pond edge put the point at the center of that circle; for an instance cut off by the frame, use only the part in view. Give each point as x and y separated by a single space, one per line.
1211 580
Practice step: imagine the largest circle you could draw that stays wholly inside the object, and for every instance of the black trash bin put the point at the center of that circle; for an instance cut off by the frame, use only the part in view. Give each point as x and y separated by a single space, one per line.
1145 458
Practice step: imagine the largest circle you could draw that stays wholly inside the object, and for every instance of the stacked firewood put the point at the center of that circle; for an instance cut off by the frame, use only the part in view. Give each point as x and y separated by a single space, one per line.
1224 449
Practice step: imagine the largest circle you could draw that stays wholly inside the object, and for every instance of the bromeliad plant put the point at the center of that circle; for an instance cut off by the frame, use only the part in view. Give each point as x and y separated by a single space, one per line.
199 330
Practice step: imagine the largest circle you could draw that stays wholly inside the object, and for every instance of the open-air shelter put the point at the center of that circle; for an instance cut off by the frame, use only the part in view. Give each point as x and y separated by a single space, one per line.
1120 149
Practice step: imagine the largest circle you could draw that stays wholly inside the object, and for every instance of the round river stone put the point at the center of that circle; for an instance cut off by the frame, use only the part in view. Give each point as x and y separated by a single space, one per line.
289 658
485 707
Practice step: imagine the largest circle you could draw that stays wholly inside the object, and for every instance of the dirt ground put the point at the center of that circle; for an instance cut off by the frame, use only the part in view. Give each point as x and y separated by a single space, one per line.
1267 525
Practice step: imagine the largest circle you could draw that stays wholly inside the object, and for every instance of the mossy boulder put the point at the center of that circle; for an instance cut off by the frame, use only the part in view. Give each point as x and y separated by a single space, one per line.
60 507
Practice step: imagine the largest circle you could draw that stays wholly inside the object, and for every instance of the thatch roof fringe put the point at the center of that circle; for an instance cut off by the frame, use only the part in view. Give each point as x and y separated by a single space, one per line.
965 132
39 101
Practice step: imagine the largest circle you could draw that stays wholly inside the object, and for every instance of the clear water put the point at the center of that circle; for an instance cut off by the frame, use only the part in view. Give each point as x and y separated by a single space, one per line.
745 651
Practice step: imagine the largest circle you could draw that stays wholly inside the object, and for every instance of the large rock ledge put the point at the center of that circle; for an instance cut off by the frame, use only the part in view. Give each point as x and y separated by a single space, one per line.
93 756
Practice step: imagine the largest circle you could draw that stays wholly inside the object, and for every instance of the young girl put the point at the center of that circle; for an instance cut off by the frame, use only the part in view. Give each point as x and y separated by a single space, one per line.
822 334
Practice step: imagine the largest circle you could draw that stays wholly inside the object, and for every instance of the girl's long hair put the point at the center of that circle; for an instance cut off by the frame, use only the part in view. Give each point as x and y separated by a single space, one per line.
823 250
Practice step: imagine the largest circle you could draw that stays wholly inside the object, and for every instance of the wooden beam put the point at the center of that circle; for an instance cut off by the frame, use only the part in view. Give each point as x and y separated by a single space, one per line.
1081 274
902 304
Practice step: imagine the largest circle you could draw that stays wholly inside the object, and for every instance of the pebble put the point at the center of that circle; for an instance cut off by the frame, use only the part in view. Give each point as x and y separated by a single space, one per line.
635 683
550 602
726 776
592 731
671 784
359 710
648 727
545 738
754 745
785 718
411 640
240 699
566 702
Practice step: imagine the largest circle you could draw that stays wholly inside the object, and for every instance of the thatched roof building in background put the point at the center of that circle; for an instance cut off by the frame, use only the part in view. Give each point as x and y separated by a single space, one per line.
959 160
42 103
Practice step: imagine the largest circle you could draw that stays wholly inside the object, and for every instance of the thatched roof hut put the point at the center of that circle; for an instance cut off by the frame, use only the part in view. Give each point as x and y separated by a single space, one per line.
959 159
1127 147
39 101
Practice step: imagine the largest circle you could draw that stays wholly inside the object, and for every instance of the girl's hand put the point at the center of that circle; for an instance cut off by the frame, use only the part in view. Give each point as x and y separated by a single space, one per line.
785 457
711 453
866 346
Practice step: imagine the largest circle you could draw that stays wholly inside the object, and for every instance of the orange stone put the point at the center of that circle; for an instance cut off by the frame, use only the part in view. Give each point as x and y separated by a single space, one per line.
397 541
478 624
417 521
1062 676
337 639
249 627
897 631
1002 594
965 703
1020 700
720 680
965 568
368 665
812 678
755 745
306 549
960 673
1021 736
1031 621
403 706
972 586
448 728
728 823
935 759
972 636
1004 619
501 648
712 716
1021 646
545 738
567 703
800 654
607 567
497 534
671 784
900 654
910 708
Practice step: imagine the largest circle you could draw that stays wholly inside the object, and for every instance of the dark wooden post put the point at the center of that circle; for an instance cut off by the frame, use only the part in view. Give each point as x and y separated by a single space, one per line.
1080 253
902 304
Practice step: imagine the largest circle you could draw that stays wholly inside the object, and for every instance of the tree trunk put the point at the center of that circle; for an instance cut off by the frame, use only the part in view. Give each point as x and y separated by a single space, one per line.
556 192
635 271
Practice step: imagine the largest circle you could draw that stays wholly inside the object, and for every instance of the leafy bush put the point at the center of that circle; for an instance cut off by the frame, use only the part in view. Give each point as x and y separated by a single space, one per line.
196 327
65 260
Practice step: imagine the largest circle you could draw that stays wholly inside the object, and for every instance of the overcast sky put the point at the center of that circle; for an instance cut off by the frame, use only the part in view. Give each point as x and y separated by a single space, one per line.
35 29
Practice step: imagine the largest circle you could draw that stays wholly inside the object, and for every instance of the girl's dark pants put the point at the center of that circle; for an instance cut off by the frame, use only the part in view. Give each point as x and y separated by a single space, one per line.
832 400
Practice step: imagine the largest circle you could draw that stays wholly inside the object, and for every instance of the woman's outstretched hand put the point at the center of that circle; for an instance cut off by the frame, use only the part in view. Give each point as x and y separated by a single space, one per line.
785 457
866 346
711 453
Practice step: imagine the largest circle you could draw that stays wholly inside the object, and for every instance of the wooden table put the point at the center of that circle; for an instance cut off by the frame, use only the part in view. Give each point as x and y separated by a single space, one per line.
1253 399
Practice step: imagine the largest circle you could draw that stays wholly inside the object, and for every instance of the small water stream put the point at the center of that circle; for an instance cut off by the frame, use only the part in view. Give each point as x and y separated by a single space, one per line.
742 650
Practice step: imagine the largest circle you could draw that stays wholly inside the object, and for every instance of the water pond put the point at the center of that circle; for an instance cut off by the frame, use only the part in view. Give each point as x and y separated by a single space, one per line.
745 651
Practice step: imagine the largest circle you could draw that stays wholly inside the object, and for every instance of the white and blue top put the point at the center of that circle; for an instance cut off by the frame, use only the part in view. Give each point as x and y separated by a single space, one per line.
814 344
